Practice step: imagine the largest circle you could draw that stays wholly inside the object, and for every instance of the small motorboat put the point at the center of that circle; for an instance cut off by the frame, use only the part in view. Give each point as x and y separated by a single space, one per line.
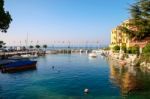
18 65
93 55
16 57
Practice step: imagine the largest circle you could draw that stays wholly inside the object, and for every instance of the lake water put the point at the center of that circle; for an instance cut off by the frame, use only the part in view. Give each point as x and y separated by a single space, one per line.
71 75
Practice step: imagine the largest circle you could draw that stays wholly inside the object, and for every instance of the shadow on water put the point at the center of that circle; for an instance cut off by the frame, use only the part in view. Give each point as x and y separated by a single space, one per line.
132 81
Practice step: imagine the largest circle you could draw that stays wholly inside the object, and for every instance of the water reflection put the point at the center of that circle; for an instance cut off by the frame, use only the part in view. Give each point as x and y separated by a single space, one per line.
131 80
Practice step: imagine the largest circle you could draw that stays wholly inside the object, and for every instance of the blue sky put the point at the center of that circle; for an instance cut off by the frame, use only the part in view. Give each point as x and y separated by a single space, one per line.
47 21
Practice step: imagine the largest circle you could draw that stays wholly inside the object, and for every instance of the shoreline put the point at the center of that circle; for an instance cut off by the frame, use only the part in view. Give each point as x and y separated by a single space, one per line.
123 60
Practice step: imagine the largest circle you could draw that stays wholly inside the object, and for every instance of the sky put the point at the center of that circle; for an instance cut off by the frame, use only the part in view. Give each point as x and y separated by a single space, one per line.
50 21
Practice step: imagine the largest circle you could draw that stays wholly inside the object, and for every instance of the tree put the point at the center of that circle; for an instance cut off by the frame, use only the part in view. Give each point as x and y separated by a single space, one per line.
23 48
116 48
5 18
140 20
45 46
129 50
124 48
37 46
133 49
1 44
31 47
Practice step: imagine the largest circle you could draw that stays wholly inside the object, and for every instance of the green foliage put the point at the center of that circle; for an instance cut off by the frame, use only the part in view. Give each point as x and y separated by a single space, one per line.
31 46
1 44
106 48
140 20
5 18
45 46
129 50
129 32
116 48
124 48
37 46
133 50
146 53
145 57
146 49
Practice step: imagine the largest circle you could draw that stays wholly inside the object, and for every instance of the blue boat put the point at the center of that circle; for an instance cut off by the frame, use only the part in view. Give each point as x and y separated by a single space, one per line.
19 65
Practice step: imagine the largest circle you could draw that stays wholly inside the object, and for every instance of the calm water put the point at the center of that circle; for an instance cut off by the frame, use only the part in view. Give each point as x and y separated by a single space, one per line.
73 73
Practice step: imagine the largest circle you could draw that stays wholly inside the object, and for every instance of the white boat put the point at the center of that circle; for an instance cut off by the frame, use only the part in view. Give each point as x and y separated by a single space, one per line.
16 57
29 56
94 55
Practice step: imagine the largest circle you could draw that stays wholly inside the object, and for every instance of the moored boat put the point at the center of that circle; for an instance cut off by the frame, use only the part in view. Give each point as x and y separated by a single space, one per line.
94 55
4 62
29 56
19 65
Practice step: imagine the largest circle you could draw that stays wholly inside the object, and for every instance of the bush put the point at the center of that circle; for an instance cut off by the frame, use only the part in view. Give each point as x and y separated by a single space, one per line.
1 44
31 46
37 46
129 50
124 48
116 48
145 57
133 50
146 53
146 49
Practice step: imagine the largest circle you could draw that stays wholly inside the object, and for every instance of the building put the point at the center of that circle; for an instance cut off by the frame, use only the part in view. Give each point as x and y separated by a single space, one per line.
118 37
122 39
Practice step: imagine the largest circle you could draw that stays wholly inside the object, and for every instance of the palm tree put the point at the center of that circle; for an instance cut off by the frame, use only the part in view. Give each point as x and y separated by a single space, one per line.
140 15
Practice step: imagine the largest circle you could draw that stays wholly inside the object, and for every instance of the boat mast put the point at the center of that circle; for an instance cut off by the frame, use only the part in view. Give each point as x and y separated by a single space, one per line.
27 41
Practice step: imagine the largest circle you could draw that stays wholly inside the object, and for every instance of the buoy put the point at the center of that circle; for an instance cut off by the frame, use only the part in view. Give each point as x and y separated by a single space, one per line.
86 90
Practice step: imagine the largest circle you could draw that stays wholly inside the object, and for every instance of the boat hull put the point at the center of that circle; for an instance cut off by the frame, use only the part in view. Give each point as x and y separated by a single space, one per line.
22 67
93 55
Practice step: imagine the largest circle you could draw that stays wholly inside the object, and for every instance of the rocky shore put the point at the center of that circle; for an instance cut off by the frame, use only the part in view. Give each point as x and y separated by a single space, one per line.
124 59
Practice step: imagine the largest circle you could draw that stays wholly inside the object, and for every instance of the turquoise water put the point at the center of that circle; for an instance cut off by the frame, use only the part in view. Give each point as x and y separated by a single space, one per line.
71 75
